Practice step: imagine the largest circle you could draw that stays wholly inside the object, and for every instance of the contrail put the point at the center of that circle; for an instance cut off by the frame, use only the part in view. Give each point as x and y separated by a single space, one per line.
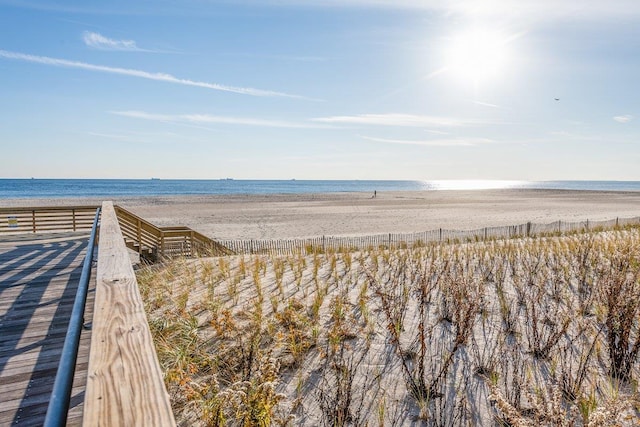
162 77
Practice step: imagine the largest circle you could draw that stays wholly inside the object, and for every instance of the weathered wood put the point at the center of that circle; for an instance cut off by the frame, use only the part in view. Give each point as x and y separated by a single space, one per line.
140 236
37 284
37 219
124 385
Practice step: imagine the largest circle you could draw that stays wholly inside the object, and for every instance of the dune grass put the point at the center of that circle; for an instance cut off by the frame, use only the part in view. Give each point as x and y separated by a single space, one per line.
517 332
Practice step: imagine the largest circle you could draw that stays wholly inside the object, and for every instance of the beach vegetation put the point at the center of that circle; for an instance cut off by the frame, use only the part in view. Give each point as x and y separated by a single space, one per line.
523 331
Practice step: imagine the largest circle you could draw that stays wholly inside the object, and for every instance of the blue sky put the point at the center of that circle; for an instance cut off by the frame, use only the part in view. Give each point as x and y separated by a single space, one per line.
320 89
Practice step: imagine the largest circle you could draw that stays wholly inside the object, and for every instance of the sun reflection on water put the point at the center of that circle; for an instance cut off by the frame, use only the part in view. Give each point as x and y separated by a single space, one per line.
473 184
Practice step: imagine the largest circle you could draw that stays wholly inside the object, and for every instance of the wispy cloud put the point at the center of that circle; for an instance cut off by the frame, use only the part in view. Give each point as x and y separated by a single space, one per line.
211 119
406 120
486 104
111 136
51 7
559 137
453 142
98 41
539 8
437 132
624 118
145 137
163 77
278 57
435 73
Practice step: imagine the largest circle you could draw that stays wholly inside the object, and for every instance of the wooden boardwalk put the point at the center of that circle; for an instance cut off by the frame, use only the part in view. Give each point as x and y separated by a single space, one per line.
38 282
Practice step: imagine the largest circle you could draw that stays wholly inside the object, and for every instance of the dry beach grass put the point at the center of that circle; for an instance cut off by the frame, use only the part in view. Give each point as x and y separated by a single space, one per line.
516 332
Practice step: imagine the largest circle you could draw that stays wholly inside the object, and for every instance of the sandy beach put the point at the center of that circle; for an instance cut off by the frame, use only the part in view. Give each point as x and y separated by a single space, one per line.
348 214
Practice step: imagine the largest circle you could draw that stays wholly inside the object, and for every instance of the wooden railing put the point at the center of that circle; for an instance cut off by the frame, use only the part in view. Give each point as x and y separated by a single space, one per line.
151 242
46 219
156 243
125 384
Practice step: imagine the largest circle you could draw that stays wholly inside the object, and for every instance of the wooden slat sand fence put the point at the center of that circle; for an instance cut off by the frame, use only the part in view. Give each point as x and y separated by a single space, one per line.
401 240
125 385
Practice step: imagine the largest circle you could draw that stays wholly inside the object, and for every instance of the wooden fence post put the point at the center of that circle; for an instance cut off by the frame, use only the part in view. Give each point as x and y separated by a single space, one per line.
33 220
139 236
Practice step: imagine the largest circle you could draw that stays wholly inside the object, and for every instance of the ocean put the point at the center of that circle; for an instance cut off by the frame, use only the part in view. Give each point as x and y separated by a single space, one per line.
71 188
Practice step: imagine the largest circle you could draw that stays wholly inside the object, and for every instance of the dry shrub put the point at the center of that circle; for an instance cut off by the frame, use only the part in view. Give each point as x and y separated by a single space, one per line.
542 326
618 287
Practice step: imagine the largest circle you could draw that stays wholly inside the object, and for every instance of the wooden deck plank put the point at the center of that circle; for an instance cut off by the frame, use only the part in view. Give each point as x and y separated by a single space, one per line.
31 256
36 297
40 277
39 322
24 364
34 406
32 304
41 385
37 290
36 278
39 313
39 259
31 335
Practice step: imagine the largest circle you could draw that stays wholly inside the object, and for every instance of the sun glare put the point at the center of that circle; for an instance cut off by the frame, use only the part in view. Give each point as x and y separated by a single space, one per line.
477 55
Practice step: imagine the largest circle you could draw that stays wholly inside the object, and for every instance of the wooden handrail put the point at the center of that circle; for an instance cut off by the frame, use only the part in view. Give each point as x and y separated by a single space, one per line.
48 208
155 243
151 242
46 219
124 385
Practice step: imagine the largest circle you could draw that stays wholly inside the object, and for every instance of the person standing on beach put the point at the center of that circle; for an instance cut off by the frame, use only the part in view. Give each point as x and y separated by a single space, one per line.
374 194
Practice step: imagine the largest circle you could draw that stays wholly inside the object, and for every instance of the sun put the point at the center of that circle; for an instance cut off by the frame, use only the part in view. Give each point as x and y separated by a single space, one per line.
477 55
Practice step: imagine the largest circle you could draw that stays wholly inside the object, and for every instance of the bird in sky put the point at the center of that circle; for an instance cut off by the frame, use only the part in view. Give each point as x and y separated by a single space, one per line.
557 99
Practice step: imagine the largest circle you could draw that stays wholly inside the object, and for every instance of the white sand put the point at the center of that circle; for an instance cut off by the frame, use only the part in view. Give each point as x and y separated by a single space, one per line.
339 214
360 299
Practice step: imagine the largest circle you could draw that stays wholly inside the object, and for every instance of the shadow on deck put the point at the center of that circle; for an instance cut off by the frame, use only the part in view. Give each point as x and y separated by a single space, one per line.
38 282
